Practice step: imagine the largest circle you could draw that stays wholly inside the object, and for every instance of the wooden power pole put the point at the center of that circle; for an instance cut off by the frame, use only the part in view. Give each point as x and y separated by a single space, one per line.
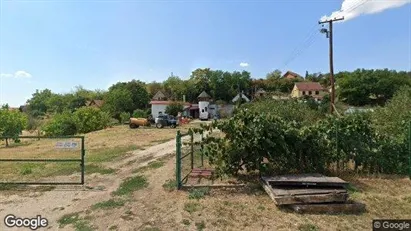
329 34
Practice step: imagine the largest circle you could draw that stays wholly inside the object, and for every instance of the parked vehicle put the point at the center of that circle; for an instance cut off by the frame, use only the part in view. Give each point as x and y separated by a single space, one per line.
137 122
166 120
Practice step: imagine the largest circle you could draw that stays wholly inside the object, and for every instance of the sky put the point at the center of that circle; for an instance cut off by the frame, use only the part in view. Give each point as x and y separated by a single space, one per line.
61 44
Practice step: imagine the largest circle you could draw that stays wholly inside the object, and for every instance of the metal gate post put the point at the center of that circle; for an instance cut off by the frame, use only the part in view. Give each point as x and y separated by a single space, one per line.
202 150
178 159
192 150
83 153
409 149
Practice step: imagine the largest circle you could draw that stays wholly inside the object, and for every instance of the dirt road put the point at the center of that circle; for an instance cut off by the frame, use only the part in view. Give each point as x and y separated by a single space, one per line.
68 199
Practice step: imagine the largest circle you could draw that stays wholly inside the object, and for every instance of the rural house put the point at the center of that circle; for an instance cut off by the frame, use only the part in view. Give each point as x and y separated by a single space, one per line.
160 102
291 75
95 103
312 89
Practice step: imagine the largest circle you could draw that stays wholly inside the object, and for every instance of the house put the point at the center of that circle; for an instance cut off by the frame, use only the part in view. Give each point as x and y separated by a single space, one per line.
95 103
312 89
291 75
159 96
159 106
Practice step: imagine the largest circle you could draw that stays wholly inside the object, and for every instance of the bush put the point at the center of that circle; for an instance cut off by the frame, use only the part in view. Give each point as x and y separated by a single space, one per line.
61 125
124 117
174 108
265 142
139 113
90 119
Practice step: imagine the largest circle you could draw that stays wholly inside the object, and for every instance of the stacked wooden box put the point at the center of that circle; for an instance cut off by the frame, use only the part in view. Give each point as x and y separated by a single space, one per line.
311 193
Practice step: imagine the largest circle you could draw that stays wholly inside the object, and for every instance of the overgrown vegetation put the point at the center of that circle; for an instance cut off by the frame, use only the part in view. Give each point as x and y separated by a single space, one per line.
275 137
174 108
128 186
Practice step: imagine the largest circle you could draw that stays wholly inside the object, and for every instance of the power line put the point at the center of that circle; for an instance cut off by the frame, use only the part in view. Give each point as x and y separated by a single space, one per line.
311 37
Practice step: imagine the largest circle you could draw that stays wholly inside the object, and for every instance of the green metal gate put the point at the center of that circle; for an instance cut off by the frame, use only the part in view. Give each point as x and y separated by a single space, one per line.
46 155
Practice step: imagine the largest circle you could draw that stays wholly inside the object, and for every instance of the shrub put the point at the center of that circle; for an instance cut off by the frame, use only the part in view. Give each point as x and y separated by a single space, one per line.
174 108
90 119
12 124
124 117
61 125
139 113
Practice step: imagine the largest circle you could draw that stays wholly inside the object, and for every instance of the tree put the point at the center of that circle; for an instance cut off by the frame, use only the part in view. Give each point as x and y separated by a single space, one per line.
37 105
137 89
174 87
118 100
12 124
174 108
274 75
62 124
153 87
88 119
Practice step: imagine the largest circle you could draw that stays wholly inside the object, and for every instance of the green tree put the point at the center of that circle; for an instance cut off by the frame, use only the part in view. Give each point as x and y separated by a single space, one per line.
12 124
274 75
174 88
62 124
38 104
137 89
118 100
88 119
174 108
153 87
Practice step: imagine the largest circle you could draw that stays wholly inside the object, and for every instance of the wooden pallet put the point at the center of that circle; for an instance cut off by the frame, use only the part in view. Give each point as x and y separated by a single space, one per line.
346 208
306 180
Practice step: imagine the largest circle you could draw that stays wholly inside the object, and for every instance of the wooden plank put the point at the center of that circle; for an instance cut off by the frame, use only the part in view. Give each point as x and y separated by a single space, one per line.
351 208
268 190
305 179
311 199
307 191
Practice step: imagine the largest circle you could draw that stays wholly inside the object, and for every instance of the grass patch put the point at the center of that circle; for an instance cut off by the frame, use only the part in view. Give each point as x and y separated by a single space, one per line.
307 227
151 229
170 185
107 154
74 219
93 168
192 207
198 193
130 185
113 227
261 208
186 222
68 219
110 204
200 225
352 189
151 165
83 225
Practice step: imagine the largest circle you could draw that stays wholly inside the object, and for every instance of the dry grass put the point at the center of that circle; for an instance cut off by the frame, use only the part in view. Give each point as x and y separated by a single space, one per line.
250 208
101 146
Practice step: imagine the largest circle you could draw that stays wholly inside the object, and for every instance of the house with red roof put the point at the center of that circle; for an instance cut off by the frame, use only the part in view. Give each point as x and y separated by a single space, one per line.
312 89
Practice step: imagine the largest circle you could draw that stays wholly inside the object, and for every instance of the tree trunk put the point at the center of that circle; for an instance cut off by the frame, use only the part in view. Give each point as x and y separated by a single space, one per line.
7 142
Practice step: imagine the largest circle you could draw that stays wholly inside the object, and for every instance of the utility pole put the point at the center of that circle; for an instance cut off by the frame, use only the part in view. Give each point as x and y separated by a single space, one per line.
329 34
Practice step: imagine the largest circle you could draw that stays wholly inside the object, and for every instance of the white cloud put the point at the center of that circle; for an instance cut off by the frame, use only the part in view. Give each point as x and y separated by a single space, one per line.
244 64
4 75
17 75
22 74
353 8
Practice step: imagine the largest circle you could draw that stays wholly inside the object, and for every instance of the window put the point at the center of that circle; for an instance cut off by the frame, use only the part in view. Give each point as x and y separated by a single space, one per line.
317 92
310 93
303 92
205 108
202 110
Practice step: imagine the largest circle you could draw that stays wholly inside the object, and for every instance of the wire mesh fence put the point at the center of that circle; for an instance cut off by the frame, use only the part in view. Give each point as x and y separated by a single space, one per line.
42 160
189 156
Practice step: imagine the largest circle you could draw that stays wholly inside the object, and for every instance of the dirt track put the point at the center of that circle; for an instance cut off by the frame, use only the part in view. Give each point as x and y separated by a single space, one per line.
64 199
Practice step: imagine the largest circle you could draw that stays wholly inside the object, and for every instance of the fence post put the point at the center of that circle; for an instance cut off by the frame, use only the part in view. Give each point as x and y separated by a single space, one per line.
202 149
192 150
337 147
83 153
409 149
178 159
